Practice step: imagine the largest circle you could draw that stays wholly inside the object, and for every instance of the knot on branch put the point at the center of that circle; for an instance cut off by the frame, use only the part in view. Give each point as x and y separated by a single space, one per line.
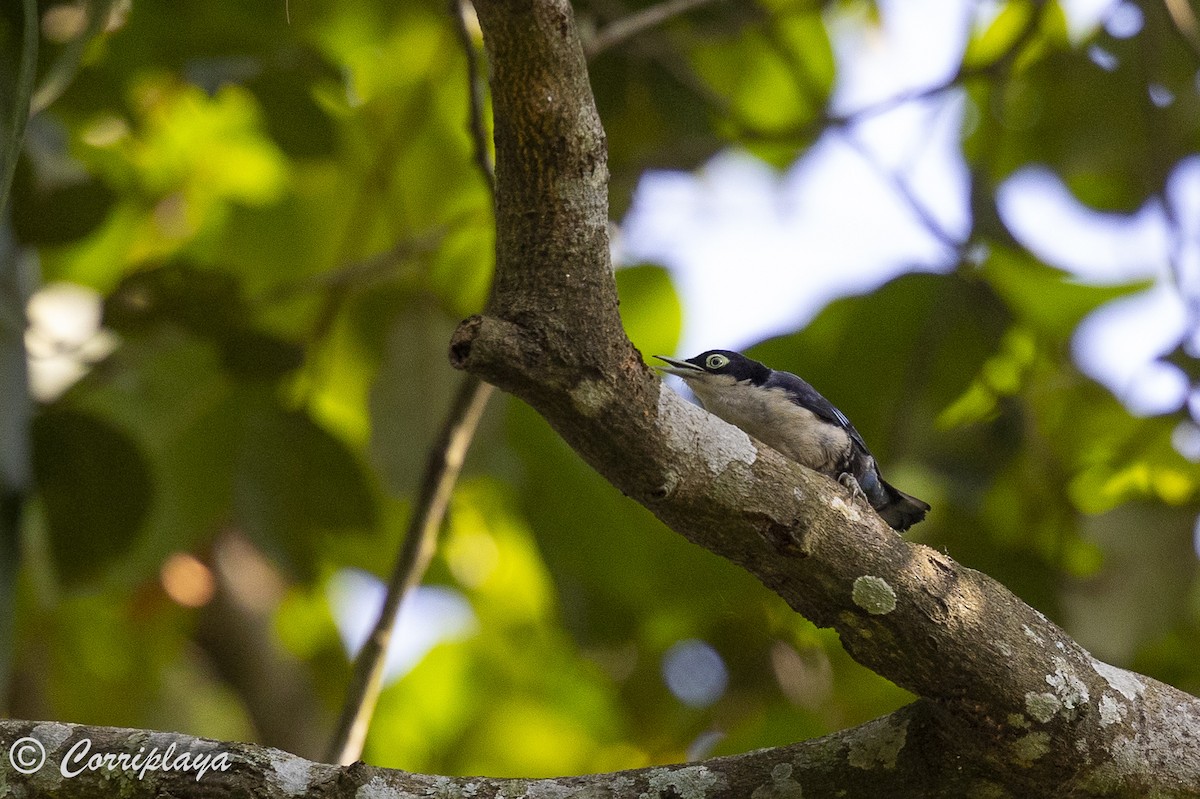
501 352
462 341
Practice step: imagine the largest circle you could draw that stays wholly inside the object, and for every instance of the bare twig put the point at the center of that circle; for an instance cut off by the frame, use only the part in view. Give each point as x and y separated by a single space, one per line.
475 86
388 264
627 27
999 66
12 126
1183 17
441 473
15 405
664 53
63 71
905 192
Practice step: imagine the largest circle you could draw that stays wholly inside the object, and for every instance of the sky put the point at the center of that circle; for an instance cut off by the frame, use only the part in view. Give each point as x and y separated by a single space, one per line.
796 238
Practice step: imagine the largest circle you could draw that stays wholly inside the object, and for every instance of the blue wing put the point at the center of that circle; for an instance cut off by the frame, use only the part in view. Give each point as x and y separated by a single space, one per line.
808 397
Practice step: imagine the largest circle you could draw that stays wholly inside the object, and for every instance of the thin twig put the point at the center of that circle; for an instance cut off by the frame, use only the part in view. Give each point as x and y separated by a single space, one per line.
662 52
441 472
14 473
1183 18
905 192
66 66
388 264
360 209
627 27
475 87
437 484
998 66
13 126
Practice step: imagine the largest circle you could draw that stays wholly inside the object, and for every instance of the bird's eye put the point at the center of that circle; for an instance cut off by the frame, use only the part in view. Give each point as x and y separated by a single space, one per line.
715 361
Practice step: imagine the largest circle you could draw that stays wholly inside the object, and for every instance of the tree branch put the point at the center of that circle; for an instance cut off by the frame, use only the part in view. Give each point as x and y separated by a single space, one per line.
627 27
441 473
1007 690
446 457
1183 18
66 66
236 633
476 125
907 195
869 760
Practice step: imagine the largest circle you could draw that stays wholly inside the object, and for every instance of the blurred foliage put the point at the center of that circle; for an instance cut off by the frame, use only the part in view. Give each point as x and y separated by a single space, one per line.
283 223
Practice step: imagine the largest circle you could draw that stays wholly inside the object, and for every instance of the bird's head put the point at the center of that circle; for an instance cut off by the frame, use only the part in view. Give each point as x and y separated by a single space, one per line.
717 367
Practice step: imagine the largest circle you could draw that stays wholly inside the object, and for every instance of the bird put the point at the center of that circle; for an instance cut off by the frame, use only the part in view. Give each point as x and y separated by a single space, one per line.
787 414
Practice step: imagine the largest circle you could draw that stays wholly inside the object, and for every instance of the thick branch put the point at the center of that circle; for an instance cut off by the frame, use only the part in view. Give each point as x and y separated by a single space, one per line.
1012 691
59 759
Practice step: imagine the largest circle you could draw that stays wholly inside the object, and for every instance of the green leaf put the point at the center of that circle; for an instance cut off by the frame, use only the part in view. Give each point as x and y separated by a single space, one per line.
999 37
776 77
170 393
253 356
892 360
51 212
650 309
1094 125
206 302
295 120
1047 299
294 482
1002 375
411 391
617 557
95 488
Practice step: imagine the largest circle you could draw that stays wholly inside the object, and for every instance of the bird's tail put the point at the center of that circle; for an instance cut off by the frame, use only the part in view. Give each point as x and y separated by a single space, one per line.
901 511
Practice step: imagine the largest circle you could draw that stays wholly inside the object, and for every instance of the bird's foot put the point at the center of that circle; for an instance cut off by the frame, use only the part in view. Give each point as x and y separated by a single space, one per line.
851 485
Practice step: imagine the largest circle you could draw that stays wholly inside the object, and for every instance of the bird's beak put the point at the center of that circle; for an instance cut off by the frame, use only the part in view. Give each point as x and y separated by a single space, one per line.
677 367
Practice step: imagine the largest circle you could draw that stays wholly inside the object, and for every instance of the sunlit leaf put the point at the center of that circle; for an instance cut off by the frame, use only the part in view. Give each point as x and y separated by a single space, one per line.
775 78
1000 36
1004 374
650 309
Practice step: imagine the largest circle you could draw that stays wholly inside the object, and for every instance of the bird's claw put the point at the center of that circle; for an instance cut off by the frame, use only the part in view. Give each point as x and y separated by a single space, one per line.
851 485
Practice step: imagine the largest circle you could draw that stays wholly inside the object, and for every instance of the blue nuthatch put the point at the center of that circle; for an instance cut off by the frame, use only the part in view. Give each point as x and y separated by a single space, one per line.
787 414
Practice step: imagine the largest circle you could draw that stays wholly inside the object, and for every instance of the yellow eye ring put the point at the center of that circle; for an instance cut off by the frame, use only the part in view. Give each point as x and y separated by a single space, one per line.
715 361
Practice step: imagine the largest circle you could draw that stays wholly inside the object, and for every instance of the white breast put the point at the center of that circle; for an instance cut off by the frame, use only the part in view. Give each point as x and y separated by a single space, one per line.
771 417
